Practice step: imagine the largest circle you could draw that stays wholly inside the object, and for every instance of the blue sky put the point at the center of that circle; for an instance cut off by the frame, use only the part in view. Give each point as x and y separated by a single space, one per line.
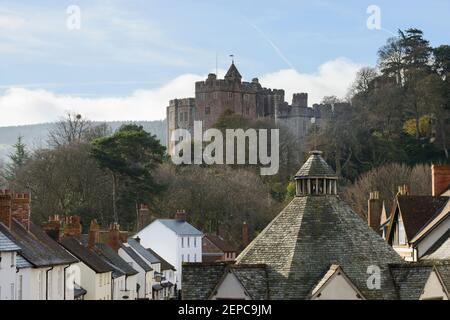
142 53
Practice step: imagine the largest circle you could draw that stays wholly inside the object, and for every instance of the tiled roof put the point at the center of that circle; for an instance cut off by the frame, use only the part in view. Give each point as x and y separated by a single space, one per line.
136 258
181 228
78 291
220 243
233 72
410 280
311 234
315 166
109 254
164 264
36 246
7 244
147 255
201 279
22 263
87 256
417 211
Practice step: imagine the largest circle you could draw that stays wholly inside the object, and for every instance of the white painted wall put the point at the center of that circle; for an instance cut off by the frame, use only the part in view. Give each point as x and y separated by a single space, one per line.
231 288
433 289
143 278
432 237
97 285
7 275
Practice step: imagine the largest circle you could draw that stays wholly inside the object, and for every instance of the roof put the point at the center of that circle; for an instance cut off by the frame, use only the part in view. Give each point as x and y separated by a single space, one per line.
316 166
147 255
7 244
36 246
78 291
112 257
22 263
133 255
87 256
410 280
233 72
164 264
440 250
180 227
220 243
311 234
418 211
200 280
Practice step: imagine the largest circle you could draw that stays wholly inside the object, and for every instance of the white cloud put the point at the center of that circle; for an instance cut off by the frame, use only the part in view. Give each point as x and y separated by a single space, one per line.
25 106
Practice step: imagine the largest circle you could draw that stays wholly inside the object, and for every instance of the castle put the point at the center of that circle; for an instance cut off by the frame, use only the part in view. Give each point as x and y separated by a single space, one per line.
249 99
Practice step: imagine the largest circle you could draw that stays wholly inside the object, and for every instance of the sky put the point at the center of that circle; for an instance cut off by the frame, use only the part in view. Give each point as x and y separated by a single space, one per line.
128 58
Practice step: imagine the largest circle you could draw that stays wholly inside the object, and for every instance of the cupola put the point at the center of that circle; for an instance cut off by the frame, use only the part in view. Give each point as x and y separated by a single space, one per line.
315 177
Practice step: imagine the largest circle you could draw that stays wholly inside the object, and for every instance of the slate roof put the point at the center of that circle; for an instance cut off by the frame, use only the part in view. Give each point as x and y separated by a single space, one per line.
309 235
315 166
164 264
7 244
78 291
113 258
201 279
220 243
87 256
418 211
36 246
181 228
410 280
136 258
147 255
233 72
22 263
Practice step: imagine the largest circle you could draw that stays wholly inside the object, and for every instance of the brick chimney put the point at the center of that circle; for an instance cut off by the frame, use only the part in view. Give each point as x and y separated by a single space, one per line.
403 190
53 227
93 234
144 217
245 238
374 211
5 208
72 227
114 236
440 179
181 215
20 209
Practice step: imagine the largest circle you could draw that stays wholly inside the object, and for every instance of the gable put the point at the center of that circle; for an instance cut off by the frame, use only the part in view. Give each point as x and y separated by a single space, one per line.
434 289
336 286
230 288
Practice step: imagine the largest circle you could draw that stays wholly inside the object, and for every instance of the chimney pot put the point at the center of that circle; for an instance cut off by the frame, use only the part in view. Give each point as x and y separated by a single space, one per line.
181 215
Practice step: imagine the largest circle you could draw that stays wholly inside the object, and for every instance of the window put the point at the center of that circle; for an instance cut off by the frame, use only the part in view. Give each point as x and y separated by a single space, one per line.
207 110
13 258
19 289
195 242
182 242
188 242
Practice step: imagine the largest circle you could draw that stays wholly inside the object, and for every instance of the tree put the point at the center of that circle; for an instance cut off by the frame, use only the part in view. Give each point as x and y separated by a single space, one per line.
17 159
130 155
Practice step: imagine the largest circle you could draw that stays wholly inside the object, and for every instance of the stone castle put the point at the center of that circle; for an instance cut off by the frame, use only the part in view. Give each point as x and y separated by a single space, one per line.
249 99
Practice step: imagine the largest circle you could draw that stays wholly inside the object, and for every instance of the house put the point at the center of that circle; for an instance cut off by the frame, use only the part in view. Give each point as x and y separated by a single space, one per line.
418 226
92 272
175 240
145 272
168 277
154 262
8 253
216 248
316 247
125 276
42 264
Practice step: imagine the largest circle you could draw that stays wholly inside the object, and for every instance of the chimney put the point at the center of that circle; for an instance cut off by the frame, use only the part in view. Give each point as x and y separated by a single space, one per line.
374 211
114 236
20 209
5 208
181 215
220 232
144 217
440 179
72 227
403 190
93 234
245 239
53 227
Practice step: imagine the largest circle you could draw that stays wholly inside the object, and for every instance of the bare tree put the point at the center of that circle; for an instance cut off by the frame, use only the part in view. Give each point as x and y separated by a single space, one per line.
68 130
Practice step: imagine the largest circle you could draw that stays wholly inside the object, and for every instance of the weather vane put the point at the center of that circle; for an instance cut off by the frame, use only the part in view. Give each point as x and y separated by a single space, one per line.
232 58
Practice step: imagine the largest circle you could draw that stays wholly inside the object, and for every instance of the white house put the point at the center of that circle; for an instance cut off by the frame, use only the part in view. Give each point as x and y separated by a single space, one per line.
92 273
175 240
168 277
145 271
125 276
8 252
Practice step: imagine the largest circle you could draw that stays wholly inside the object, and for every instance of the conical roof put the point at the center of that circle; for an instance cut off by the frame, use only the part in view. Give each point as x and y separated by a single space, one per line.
310 235
316 167
233 73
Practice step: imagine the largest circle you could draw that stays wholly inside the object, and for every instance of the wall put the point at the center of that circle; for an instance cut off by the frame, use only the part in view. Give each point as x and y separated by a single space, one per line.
433 289
143 278
7 275
90 281
432 237
231 288
337 288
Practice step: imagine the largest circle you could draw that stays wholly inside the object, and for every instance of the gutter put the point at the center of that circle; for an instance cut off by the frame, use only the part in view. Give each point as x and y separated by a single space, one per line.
65 281
46 282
